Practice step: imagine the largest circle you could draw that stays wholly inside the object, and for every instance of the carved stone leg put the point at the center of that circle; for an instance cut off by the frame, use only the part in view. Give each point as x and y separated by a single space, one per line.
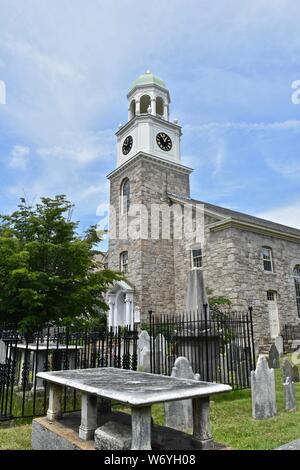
21 360
201 422
39 362
88 416
24 368
141 428
54 410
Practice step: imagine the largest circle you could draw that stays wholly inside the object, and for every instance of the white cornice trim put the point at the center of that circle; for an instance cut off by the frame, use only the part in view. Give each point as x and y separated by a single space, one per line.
146 117
251 227
162 161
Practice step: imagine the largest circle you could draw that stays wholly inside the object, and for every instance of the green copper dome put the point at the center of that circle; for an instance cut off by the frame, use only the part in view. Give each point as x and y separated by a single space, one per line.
148 78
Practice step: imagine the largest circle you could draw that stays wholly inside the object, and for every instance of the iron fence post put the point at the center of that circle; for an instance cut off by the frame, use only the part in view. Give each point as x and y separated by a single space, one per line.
252 336
205 306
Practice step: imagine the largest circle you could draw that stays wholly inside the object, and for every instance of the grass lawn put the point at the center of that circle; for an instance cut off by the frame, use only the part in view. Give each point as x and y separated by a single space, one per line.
232 423
18 438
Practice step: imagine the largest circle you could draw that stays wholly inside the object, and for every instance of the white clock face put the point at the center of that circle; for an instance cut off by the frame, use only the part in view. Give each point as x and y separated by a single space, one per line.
164 141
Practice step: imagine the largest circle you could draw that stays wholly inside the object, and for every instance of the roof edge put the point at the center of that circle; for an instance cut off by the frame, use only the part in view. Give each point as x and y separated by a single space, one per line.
134 158
252 227
233 217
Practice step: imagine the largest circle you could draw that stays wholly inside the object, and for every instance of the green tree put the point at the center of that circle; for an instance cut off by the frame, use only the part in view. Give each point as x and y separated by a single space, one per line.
47 271
218 305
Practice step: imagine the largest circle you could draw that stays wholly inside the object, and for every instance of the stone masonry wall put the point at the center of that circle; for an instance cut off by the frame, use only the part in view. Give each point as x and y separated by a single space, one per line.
250 283
232 263
151 262
233 268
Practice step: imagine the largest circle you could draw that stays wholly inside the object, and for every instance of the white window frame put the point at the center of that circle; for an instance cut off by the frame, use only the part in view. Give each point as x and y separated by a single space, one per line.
296 274
122 198
124 263
199 257
269 259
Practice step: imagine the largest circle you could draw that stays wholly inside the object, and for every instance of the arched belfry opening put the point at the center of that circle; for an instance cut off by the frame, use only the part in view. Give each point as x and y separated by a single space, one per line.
132 109
145 102
159 106
148 95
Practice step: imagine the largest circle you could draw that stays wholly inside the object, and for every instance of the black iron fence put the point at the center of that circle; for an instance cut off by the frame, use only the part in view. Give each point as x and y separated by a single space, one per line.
219 346
291 337
23 395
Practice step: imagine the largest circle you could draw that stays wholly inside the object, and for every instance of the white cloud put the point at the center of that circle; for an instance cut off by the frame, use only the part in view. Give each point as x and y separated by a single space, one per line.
290 125
19 157
52 67
219 160
287 215
81 147
288 169
68 66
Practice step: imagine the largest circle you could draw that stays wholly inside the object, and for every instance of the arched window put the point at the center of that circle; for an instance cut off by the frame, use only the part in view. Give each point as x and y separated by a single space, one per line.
145 102
159 106
124 262
266 254
125 196
196 257
297 286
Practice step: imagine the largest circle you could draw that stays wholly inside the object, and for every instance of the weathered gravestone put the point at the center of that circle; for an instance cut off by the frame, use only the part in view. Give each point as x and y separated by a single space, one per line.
2 352
290 395
143 341
224 372
179 414
143 349
279 345
293 445
274 362
263 390
160 351
288 370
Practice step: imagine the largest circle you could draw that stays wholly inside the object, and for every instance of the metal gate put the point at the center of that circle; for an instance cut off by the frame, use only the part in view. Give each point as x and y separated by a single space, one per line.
219 346
23 395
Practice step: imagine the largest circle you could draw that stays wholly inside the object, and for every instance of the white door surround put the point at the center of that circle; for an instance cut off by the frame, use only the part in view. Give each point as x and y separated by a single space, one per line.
121 306
273 314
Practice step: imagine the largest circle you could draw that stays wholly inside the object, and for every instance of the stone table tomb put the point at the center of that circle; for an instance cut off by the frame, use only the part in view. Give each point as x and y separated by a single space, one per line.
137 390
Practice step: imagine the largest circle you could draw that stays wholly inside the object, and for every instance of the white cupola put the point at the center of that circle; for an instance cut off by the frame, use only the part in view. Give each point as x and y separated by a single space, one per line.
148 95
149 129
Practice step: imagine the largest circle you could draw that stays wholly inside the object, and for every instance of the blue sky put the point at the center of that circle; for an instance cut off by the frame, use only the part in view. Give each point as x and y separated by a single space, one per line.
229 66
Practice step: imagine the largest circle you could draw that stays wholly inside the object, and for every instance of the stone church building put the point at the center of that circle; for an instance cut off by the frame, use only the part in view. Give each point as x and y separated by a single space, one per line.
250 261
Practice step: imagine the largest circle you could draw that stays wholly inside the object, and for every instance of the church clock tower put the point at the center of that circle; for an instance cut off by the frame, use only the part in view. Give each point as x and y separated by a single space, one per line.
149 129
148 169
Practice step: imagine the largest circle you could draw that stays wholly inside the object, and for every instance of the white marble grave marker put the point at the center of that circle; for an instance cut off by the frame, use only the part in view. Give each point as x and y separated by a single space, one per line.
263 390
179 414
